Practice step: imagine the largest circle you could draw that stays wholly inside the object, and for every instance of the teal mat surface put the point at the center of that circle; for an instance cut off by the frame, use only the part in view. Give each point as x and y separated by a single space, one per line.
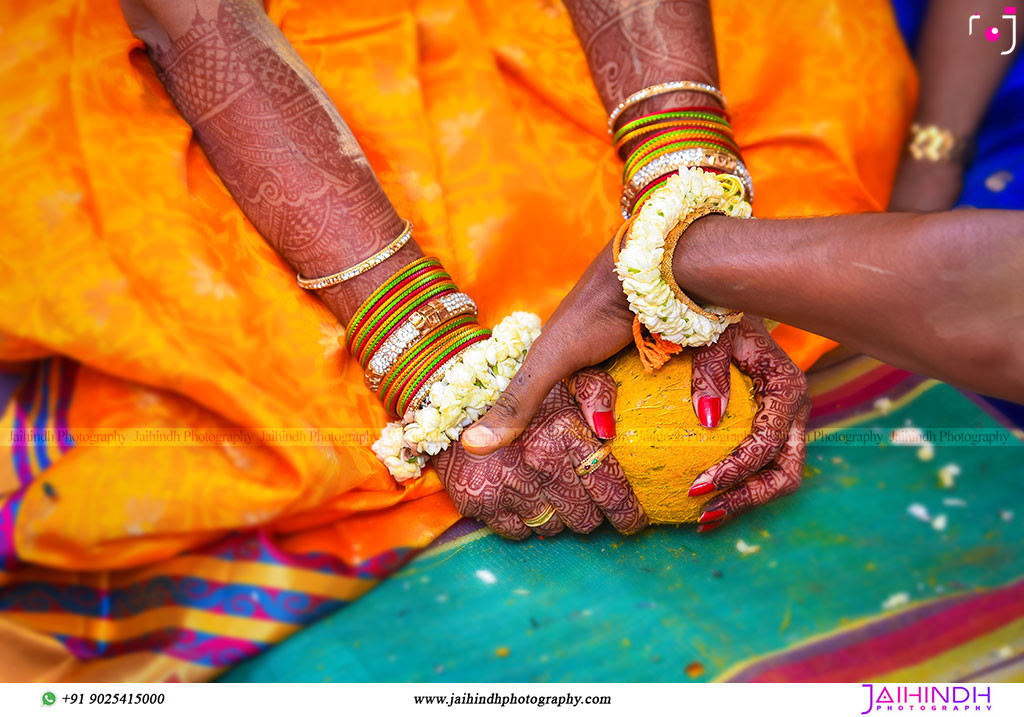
671 605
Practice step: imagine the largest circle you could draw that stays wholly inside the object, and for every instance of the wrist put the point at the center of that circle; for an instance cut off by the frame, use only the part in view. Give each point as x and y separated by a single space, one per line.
698 262
924 186
342 300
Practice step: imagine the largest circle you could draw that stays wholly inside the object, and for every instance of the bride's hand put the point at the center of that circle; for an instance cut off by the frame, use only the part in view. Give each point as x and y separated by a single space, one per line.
768 463
517 483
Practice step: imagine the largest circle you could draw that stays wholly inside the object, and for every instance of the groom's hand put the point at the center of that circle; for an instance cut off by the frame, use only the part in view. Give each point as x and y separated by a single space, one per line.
592 323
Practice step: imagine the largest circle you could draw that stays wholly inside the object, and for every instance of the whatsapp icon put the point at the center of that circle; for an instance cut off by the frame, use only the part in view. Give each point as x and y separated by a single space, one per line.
49 698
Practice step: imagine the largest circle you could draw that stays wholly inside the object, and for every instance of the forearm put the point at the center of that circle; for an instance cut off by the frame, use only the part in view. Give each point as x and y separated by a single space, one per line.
275 139
939 294
960 72
633 44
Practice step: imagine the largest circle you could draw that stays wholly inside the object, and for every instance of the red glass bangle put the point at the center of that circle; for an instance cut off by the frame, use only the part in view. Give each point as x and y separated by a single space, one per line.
382 312
360 320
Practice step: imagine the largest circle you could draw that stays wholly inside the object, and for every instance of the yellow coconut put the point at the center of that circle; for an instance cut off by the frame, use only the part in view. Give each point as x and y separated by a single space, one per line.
658 440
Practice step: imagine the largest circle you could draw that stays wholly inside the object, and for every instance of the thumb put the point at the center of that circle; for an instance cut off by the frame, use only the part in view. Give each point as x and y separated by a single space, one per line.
709 382
594 391
518 403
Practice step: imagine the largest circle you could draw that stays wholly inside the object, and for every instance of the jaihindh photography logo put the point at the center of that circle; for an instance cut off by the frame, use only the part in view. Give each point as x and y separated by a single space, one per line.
927 698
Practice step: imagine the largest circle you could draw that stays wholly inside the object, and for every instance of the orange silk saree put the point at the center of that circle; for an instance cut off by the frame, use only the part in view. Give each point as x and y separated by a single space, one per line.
140 539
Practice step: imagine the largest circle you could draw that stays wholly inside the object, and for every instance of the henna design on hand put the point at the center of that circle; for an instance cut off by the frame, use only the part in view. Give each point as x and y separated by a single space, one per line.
777 442
711 369
593 389
782 478
277 142
521 479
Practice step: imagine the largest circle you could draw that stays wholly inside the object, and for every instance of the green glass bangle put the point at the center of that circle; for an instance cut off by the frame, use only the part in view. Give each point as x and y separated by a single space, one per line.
440 347
408 306
650 145
665 117
415 369
417 278
429 278
381 290
425 373
643 197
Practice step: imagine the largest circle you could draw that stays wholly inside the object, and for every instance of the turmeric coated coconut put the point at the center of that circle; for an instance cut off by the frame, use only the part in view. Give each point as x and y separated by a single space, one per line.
658 440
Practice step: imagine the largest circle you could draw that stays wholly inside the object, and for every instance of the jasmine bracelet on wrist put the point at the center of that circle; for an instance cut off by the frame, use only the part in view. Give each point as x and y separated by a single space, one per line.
643 244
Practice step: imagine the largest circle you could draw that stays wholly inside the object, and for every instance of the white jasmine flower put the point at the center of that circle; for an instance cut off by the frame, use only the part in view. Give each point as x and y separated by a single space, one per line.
465 392
639 264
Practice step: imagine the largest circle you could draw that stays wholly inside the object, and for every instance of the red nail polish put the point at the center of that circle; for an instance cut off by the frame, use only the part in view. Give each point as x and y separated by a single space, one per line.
709 408
711 516
700 489
604 424
707 527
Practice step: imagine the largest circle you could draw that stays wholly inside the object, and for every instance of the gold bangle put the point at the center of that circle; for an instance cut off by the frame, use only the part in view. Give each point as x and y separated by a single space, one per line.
931 143
363 266
660 89
671 239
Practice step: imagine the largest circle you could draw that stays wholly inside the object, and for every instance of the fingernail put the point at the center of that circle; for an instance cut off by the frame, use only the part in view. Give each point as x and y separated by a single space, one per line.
479 436
706 527
701 488
709 408
604 424
711 516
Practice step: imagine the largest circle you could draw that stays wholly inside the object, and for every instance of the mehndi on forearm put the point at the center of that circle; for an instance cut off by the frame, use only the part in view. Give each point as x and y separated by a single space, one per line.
632 44
284 153
278 143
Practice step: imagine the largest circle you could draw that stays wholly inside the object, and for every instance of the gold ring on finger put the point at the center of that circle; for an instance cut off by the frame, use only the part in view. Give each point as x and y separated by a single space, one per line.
545 515
592 462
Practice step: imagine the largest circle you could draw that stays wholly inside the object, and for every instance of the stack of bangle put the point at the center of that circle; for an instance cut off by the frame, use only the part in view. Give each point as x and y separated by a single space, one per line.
680 137
695 117
407 330
426 357
407 385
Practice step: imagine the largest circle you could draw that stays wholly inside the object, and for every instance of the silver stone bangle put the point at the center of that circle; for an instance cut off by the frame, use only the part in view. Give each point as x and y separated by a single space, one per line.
424 319
691 157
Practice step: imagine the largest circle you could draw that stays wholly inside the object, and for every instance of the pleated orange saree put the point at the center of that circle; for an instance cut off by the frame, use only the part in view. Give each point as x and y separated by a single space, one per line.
139 539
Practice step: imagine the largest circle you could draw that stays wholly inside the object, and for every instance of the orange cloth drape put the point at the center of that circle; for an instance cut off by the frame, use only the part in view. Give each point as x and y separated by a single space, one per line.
122 251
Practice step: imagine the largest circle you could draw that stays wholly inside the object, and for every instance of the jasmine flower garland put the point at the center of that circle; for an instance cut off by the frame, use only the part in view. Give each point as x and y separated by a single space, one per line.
640 260
466 391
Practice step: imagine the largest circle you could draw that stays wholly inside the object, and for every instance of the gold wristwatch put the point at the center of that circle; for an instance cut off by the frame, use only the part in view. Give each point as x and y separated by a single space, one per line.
931 143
